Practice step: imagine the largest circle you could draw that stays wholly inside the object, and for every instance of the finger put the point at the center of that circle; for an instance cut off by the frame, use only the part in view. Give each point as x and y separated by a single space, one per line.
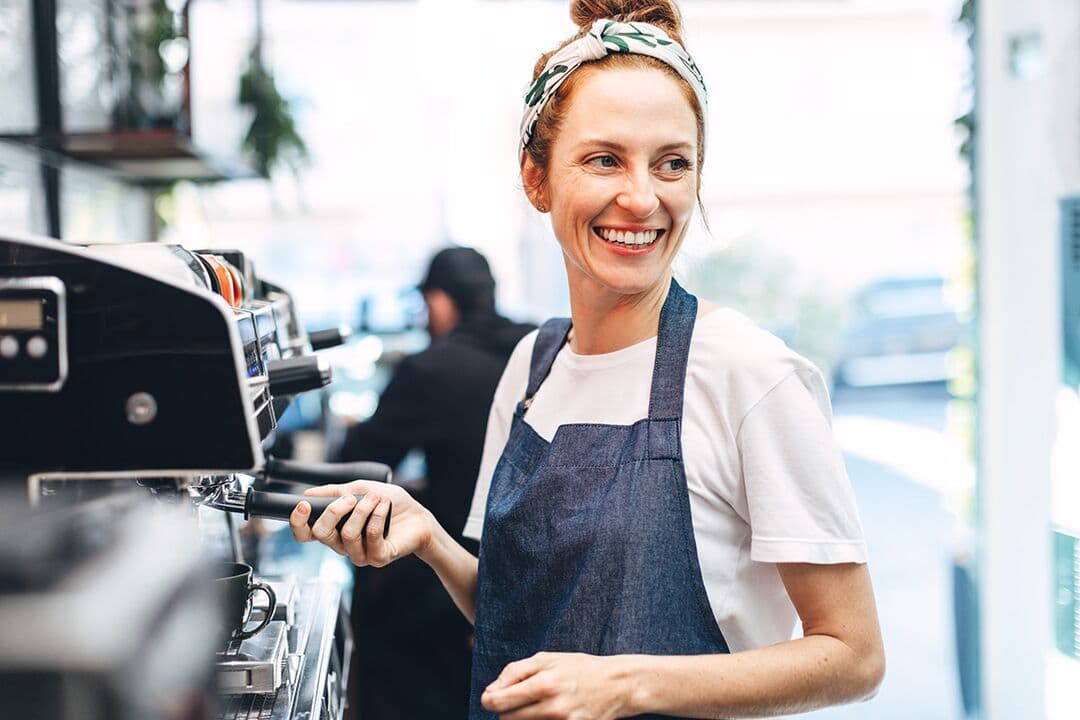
325 528
377 522
298 522
542 710
356 487
524 694
325 490
352 534
515 672
381 551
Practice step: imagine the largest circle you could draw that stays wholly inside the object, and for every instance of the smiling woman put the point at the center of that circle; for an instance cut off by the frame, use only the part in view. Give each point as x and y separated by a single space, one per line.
660 498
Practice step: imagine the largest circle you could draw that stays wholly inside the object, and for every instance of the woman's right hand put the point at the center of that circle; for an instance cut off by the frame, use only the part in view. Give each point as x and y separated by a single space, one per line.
411 529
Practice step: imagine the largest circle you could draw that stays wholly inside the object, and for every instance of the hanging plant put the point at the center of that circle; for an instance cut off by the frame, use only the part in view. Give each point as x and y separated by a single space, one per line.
272 137
966 122
150 53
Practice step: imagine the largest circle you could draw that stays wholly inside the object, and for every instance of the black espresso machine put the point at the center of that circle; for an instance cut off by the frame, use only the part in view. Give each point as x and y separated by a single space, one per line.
139 385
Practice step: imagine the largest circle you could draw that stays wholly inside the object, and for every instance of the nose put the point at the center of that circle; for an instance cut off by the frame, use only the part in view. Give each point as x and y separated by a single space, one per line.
638 197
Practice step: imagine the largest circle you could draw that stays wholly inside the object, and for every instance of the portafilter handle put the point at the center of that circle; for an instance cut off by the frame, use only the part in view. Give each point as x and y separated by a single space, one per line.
331 337
260 503
292 376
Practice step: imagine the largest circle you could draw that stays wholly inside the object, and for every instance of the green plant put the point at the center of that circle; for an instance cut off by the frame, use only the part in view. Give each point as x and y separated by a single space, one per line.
159 27
149 26
272 137
966 122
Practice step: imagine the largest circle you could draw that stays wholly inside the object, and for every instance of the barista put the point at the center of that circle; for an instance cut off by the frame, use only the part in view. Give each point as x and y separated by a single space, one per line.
661 498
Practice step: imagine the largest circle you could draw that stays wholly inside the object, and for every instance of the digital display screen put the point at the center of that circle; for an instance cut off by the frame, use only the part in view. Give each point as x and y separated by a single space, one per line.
252 358
21 315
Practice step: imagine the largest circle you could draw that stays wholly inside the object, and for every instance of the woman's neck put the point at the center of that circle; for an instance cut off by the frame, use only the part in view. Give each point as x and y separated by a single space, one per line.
605 321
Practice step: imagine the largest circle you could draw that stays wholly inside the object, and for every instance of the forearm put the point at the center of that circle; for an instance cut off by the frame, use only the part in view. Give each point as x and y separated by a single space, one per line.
790 677
456 568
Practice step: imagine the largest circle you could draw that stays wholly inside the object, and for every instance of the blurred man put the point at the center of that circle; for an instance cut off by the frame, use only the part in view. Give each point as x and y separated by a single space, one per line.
413 645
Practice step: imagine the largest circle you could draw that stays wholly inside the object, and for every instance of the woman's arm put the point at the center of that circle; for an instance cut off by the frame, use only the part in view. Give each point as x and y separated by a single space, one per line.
456 568
413 529
840 659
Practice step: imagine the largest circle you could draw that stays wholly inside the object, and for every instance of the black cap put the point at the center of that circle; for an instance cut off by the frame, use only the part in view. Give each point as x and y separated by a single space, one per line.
462 273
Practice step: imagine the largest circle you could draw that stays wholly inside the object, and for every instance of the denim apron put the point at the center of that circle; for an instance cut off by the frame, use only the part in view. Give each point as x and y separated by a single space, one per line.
588 544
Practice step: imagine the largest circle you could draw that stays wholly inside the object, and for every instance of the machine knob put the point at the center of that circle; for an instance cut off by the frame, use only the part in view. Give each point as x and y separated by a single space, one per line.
331 337
298 374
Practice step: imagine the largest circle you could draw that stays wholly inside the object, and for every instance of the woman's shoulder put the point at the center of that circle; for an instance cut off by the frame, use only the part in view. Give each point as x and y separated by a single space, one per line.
736 357
516 373
728 334
523 350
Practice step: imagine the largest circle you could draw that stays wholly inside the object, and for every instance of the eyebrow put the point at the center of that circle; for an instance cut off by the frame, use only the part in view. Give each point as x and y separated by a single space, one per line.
622 148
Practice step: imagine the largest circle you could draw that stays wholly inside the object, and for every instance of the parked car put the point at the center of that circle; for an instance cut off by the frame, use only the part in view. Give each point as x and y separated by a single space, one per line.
901 331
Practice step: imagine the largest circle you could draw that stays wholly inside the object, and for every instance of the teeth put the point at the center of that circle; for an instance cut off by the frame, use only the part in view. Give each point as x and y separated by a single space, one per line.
629 238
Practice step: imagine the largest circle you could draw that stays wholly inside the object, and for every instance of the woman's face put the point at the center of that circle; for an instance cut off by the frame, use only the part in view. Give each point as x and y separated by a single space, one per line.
621 184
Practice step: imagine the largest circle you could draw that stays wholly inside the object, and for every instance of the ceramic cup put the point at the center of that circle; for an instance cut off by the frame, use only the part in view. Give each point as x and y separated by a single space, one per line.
236 590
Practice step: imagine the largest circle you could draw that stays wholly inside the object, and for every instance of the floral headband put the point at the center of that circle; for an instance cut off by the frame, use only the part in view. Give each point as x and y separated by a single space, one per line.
605 37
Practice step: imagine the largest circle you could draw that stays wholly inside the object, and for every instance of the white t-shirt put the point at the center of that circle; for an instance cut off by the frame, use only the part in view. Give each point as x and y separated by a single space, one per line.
766 480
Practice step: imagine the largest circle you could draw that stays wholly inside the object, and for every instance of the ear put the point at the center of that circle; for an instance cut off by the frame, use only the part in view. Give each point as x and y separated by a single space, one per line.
532 178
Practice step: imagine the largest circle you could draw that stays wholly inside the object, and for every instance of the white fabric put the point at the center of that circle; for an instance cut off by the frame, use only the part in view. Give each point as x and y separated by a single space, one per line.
766 480
604 37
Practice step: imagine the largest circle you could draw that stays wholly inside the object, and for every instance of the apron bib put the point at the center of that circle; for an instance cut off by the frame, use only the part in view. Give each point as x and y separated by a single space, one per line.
588 544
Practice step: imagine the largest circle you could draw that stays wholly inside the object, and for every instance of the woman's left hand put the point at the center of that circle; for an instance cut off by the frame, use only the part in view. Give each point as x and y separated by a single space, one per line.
568 686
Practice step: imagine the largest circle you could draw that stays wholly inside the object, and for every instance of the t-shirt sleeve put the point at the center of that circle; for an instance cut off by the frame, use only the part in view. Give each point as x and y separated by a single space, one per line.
509 391
800 501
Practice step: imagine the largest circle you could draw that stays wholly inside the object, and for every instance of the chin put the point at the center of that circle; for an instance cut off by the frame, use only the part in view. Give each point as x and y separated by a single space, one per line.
630 281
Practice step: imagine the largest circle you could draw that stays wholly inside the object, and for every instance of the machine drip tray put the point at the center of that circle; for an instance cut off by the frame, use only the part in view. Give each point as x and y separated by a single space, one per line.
255 665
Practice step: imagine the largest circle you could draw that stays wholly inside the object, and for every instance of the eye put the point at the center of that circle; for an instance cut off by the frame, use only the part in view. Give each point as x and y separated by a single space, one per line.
602 162
675 166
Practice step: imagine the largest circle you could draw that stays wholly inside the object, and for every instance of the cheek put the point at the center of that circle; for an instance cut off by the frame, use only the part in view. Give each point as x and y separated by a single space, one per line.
579 204
681 201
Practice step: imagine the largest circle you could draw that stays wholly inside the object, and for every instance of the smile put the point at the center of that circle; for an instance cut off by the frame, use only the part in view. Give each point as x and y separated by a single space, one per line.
627 238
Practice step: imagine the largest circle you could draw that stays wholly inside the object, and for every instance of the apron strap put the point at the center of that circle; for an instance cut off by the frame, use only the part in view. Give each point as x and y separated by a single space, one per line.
672 352
549 342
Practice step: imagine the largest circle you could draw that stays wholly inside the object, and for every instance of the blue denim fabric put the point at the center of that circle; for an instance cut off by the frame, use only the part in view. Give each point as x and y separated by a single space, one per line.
588 544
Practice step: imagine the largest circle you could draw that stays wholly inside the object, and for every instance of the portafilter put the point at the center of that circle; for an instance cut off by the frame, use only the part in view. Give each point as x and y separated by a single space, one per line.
226 493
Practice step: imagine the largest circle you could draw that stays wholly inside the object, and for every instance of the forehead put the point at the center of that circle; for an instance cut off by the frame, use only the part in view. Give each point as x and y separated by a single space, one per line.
634 107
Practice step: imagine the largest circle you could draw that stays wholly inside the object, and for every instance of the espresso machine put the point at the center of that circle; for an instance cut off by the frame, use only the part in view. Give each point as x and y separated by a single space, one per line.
140 386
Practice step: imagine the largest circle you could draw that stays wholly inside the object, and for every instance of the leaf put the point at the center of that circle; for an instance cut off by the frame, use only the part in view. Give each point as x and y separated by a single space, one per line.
618 42
536 92
643 39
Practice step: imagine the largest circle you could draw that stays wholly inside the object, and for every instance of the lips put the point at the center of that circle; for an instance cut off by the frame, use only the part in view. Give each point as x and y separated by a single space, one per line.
629 238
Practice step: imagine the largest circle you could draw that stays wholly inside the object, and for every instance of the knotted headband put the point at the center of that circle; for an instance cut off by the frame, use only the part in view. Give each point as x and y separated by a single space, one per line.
606 37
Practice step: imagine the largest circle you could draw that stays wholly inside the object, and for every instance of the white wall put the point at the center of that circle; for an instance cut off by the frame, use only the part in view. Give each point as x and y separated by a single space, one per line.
831 129
833 126
1029 153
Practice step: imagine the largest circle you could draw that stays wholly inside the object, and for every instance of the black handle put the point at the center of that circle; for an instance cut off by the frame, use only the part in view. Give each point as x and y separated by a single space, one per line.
331 337
298 374
280 506
318 473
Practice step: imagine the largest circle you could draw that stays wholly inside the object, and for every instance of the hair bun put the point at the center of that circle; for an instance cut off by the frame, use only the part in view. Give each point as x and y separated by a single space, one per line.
662 13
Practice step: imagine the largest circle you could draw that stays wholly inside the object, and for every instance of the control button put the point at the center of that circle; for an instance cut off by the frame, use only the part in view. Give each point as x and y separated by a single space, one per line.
9 347
141 408
36 347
